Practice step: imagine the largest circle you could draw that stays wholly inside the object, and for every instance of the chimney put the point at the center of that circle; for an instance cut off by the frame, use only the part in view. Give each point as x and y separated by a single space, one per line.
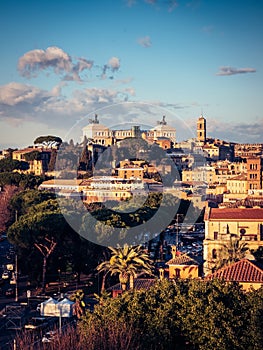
173 251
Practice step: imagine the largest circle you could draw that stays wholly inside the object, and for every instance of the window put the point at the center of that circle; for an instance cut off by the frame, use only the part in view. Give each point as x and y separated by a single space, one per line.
214 254
253 166
177 273
215 235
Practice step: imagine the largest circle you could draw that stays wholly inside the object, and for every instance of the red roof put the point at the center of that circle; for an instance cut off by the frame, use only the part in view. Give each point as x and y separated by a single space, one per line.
234 214
241 271
182 259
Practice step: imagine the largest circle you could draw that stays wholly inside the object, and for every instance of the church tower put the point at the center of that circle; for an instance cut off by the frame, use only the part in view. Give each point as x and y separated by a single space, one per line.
201 130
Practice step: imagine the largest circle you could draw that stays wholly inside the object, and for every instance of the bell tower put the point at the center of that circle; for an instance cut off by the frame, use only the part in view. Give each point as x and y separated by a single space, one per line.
201 130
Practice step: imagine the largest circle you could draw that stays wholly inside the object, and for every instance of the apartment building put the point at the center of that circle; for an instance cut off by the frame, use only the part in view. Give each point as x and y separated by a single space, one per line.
232 223
38 165
245 150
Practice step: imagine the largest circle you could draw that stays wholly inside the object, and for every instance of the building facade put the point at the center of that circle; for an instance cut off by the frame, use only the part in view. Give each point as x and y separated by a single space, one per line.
225 224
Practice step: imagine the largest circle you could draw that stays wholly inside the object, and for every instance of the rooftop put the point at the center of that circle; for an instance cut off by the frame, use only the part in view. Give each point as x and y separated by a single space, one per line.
242 271
182 259
241 214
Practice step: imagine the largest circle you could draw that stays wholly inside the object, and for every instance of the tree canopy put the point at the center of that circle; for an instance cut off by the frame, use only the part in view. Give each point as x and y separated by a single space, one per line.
9 165
188 314
48 140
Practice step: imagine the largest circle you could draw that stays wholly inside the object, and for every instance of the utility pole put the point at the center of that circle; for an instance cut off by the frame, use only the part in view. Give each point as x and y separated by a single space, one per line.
177 229
16 273
16 279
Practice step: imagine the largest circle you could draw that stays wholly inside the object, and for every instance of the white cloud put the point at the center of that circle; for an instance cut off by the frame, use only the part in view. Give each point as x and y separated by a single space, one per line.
20 103
61 63
36 60
17 93
227 70
236 132
145 41
114 63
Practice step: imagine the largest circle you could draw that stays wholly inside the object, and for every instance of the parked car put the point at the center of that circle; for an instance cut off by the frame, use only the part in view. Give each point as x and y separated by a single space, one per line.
13 280
49 337
10 292
36 323
5 275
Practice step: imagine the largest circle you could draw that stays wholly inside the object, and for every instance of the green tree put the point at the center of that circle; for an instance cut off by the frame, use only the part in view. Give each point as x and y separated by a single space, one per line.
48 140
258 253
33 155
211 314
253 335
39 228
127 262
27 199
188 314
22 181
5 211
9 165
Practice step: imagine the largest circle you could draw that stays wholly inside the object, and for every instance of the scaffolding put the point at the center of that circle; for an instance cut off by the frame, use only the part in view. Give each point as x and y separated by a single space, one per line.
15 317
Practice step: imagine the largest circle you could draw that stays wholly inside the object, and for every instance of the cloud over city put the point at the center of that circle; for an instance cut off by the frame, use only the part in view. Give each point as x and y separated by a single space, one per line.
145 41
55 60
236 131
22 102
16 94
227 70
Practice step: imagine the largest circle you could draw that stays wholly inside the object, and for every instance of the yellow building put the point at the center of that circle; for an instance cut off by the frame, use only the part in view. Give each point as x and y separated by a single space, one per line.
182 266
163 142
237 184
245 150
225 224
204 174
103 188
37 166
130 172
211 151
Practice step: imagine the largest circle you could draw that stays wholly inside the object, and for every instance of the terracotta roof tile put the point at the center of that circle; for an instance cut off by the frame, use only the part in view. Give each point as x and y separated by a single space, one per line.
235 214
241 271
182 260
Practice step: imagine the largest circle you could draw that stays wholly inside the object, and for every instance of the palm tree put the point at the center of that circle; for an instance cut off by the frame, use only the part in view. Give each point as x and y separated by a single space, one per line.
231 252
127 262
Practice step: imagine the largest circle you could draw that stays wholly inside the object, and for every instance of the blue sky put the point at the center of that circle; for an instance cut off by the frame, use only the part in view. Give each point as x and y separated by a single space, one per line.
130 61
